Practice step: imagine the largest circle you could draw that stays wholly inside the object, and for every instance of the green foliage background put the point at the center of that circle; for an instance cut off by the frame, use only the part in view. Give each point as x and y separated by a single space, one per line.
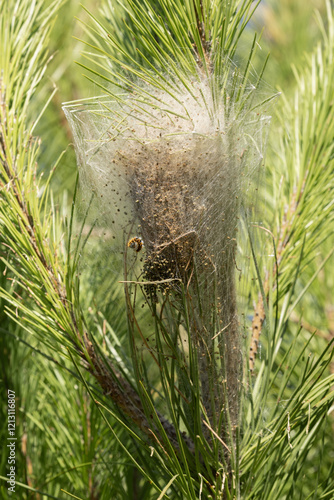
63 443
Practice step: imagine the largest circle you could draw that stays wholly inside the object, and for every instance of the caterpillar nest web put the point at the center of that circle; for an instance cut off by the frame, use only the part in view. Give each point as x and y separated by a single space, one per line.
171 171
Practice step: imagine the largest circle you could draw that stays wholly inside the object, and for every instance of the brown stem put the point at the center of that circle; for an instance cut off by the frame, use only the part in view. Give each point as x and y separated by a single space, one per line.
128 401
